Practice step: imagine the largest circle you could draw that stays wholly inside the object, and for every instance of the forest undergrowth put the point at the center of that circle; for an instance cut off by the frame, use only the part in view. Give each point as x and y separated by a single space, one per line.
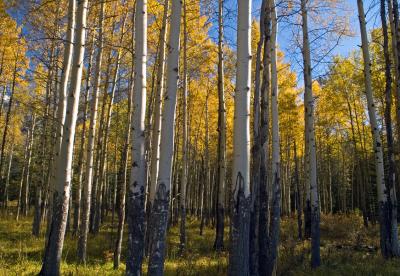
347 248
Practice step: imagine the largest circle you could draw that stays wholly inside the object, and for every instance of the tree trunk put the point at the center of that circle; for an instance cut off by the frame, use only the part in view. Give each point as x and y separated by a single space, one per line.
298 194
6 126
309 113
137 183
155 138
25 181
78 196
87 188
383 203
160 207
102 167
240 224
122 178
220 225
182 192
276 189
391 177
263 231
256 151
53 251
10 161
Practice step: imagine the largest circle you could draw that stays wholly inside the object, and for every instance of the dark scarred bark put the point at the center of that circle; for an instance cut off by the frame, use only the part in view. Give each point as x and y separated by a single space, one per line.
159 217
240 231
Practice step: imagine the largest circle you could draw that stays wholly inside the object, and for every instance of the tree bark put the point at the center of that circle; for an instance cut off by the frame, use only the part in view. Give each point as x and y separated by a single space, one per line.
391 177
160 208
263 231
6 126
309 113
240 224
87 188
155 138
137 183
220 224
182 191
53 251
81 157
383 204
274 231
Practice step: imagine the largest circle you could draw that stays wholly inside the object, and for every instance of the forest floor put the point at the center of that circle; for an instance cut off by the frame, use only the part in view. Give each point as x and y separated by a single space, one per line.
347 248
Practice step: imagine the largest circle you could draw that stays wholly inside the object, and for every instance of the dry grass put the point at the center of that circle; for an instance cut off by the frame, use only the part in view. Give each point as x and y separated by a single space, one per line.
347 248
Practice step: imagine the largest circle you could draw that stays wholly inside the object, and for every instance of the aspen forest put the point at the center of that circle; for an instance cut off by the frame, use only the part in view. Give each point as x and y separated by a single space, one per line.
199 137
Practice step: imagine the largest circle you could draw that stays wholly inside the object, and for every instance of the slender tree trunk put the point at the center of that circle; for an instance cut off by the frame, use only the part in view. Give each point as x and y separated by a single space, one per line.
102 167
87 188
122 177
298 193
78 196
240 224
220 224
256 151
160 208
263 229
137 183
395 32
62 105
383 207
25 169
391 177
155 138
26 179
53 251
10 161
182 192
7 125
309 113
276 189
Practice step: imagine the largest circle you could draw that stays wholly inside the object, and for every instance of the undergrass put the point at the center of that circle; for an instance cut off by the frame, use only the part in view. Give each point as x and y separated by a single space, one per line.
347 248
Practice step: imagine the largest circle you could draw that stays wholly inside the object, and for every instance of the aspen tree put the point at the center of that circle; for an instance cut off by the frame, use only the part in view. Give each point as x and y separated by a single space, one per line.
156 130
311 147
182 192
383 204
391 177
8 174
276 189
7 125
123 172
220 216
240 224
137 183
103 153
160 208
78 197
53 251
257 148
393 33
87 188
264 188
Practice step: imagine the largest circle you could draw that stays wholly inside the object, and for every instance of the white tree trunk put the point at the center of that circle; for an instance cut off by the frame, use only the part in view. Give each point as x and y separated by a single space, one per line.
377 142
155 143
53 252
137 183
239 253
312 157
159 216
87 188
276 189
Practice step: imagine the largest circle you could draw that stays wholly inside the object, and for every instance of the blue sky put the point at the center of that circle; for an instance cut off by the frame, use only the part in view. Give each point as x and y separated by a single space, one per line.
346 45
